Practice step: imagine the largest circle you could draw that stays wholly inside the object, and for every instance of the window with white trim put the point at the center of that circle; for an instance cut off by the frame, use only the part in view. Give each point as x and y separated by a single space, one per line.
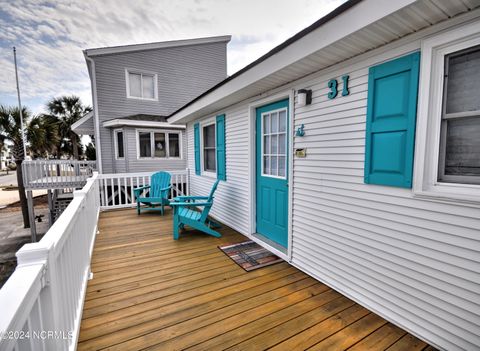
141 85
447 160
209 148
158 144
119 145
459 156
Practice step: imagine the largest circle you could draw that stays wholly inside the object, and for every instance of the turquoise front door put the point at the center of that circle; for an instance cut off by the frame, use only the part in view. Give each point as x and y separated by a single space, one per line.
272 171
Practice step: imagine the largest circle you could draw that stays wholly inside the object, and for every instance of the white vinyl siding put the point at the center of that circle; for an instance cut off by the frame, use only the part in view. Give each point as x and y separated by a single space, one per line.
190 70
414 261
232 198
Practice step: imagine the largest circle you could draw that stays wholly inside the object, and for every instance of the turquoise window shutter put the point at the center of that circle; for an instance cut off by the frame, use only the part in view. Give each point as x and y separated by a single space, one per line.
221 159
196 142
391 116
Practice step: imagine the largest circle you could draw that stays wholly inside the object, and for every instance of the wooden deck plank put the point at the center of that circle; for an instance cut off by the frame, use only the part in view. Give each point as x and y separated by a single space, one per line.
151 292
381 339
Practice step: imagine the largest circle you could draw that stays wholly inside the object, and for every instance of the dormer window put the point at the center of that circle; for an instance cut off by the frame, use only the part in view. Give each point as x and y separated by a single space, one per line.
141 85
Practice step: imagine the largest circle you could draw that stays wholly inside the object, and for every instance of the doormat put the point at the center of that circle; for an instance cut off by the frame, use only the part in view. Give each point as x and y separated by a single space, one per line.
249 255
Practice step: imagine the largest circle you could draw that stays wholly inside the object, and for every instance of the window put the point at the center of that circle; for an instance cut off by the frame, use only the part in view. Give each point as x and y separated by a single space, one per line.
209 149
141 85
209 140
119 151
158 144
145 147
274 135
459 156
447 161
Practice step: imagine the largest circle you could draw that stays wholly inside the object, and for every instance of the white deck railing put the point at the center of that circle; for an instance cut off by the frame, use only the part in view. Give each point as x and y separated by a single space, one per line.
116 190
56 174
41 303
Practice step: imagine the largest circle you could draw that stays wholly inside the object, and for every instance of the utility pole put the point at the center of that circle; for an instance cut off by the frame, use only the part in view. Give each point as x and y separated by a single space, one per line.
20 105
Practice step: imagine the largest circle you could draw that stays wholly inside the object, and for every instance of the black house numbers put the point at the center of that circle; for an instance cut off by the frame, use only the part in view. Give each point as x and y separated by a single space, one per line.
333 85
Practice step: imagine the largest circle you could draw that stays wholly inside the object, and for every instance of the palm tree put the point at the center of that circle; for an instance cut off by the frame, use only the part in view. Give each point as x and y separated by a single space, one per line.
42 136
67 110
10 130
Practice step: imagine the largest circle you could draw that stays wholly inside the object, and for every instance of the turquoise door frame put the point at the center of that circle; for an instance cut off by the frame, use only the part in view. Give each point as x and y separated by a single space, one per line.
271 180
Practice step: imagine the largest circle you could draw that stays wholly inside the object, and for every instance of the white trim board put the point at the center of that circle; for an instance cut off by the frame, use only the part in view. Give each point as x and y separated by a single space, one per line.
156 45
138 123
82 120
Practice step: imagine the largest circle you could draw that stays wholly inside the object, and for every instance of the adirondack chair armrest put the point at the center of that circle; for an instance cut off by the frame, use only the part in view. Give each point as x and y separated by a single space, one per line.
138 190
187 198
167 188
189 204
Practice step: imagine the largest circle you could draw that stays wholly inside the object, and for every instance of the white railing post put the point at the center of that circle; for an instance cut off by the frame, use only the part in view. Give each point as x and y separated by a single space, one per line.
188 181
42 253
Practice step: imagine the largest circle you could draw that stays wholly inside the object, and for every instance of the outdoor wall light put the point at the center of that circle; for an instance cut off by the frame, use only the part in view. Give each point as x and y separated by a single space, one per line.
304 97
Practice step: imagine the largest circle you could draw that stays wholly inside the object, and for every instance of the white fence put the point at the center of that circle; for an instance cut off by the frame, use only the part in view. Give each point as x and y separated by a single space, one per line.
56 174
41 303
116 190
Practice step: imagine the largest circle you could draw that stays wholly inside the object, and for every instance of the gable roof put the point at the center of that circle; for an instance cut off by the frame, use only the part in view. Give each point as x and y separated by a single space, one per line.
157 45
354 28
84 125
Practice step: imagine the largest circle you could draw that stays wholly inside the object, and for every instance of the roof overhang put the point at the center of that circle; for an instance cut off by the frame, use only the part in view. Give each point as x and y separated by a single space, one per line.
81 127
157 45
124 122
353 28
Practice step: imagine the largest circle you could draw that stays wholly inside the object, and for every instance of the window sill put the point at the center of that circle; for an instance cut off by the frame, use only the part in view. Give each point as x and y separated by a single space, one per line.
159 159
209 174
451 193
142 99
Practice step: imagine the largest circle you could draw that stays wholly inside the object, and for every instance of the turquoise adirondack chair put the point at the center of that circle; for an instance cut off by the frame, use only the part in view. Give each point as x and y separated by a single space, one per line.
157 196
185 213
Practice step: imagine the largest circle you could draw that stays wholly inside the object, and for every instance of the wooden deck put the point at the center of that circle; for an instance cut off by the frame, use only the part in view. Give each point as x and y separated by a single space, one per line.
151 292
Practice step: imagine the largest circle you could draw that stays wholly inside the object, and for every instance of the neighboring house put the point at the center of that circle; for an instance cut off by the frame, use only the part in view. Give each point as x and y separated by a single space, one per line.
380 196
5 156
135 87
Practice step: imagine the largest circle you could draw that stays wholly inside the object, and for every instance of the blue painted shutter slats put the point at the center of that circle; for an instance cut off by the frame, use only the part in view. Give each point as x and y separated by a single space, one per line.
196 142
221 159
391 117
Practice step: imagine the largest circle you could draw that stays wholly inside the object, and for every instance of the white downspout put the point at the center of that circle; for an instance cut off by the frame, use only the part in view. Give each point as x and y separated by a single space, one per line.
96 119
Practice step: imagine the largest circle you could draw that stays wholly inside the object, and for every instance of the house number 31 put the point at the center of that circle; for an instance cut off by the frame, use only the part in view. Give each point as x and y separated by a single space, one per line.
333 85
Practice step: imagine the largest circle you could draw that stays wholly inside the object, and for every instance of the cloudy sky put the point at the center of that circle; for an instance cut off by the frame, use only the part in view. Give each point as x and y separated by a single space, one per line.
50 35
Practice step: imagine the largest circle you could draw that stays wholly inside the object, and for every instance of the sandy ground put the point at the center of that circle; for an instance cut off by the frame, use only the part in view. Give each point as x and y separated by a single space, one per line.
10 196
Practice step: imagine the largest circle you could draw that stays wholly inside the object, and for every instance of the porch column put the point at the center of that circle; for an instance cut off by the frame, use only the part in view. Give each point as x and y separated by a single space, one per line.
31 216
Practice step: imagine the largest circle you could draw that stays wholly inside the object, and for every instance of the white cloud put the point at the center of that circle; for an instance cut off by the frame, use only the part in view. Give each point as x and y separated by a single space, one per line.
50 35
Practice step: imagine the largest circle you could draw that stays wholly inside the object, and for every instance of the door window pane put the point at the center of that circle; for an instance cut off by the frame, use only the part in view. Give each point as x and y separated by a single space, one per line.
266 164
148 87
282 116
145 145
281 166
274 149
282 144
274 143
174 145
266 124
120 153
135 84
274 122
159 145
273 165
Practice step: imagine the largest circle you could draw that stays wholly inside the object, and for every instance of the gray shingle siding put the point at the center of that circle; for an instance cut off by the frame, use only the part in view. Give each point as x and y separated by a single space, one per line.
183 73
